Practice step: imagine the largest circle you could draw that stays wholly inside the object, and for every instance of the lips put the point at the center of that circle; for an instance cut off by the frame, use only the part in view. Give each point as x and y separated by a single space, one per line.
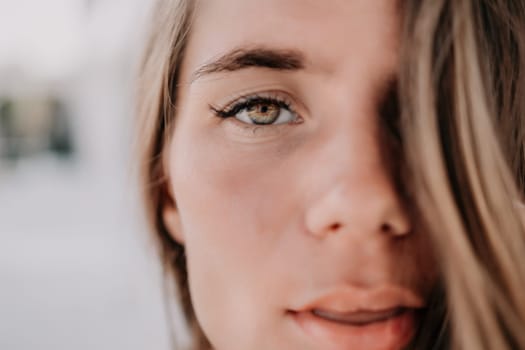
349 300
359 318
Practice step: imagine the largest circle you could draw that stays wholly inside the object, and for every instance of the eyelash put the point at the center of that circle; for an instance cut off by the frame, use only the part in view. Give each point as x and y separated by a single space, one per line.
245 102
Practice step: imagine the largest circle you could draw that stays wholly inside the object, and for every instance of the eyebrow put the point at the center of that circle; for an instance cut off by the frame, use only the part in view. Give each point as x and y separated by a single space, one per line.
243 58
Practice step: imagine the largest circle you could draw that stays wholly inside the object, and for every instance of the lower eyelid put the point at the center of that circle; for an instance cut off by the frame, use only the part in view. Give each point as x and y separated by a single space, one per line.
251 130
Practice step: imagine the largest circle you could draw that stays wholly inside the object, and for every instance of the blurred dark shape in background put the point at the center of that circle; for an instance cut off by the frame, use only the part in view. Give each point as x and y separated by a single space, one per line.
33 127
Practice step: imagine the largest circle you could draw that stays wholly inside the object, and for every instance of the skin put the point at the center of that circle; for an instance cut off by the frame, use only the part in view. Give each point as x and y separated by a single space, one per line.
274 216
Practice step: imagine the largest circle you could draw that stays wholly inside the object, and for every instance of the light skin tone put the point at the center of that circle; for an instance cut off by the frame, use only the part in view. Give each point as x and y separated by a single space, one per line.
293 223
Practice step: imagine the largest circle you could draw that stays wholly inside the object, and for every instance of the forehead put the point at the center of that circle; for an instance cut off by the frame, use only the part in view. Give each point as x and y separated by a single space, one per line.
334 35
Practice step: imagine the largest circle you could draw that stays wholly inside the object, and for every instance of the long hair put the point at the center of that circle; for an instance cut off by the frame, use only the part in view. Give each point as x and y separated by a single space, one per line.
462 131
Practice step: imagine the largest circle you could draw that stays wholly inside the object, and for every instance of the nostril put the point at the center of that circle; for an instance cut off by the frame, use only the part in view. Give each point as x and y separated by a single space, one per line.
394 231
386 228
335 227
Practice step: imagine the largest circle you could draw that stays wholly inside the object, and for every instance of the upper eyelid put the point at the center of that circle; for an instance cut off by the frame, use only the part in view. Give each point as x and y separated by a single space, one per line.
263 96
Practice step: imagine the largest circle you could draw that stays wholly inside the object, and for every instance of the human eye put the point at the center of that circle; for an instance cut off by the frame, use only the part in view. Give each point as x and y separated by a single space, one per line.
259 110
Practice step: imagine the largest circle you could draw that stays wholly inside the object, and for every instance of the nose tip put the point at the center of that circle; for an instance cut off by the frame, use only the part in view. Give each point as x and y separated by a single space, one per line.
359 210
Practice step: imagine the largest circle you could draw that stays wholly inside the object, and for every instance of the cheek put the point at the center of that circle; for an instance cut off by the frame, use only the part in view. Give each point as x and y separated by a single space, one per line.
228 195
413 262
231 215
232 194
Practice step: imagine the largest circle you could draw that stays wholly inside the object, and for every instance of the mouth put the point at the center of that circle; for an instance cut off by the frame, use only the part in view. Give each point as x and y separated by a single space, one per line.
360 318
372 330
350 318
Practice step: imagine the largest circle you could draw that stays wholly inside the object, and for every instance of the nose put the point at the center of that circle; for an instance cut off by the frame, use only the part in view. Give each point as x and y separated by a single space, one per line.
358 212
361 203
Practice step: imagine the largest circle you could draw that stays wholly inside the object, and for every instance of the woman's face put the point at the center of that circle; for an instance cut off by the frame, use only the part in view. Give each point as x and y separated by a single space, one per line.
295 236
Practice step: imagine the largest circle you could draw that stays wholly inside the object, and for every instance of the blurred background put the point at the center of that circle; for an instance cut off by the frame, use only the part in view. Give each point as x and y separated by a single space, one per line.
77 268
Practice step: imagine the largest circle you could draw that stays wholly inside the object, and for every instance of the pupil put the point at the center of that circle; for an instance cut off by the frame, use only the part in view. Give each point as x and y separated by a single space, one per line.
264 109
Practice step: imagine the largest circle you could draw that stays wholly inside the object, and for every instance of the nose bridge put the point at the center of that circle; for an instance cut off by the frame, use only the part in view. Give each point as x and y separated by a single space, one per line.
349 153
354 192
349 136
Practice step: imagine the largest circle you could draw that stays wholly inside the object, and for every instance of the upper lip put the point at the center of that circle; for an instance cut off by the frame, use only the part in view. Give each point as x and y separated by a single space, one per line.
350 299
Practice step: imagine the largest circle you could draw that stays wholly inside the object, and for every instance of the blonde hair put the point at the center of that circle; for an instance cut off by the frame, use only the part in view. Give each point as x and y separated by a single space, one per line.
462 138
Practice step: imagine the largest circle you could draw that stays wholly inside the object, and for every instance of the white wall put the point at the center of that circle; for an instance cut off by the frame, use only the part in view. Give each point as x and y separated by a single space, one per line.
76 268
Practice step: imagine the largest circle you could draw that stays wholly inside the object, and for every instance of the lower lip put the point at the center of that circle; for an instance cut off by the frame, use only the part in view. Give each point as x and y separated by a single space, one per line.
391 334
